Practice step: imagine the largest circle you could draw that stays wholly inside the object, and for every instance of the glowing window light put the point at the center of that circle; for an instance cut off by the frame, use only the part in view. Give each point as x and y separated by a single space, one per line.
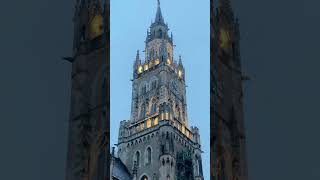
157 61
180 73
146 67
141 126
155 122
140 69
162 116
183 129
148 123
171 116
168 61
167 116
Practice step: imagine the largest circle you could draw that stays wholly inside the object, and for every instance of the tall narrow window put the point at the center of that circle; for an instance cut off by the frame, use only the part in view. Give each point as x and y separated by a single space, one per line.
148 155
153 108
137 158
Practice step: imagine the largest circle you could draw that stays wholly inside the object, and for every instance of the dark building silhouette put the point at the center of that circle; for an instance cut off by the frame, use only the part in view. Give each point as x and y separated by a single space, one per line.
88 144
228 141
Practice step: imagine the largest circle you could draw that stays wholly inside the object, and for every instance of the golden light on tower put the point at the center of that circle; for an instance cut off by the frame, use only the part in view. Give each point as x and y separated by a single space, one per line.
140 69
168 61
224 38
180 73
148 123
146 66
96 27
155 122
157 61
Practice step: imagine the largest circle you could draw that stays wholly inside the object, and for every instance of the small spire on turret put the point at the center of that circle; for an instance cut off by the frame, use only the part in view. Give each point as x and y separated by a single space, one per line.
138 60
138 56
180 61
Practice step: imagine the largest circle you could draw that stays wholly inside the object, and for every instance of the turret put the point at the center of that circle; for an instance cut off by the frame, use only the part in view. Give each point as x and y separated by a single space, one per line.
196 135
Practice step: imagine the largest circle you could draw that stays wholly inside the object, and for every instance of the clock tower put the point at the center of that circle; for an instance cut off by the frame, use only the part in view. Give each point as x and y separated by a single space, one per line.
157 142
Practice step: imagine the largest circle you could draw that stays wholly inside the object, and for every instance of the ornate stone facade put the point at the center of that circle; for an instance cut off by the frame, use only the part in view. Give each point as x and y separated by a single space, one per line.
157 143
228 141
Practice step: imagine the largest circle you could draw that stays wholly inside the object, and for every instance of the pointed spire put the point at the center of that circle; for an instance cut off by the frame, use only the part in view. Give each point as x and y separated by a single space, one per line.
138 61
159 18
180 61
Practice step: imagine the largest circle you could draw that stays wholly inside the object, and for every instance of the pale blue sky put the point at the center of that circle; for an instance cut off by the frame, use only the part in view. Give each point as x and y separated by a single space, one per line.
189 21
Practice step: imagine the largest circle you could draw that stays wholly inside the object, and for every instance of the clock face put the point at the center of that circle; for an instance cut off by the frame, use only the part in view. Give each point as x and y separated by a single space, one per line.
96 27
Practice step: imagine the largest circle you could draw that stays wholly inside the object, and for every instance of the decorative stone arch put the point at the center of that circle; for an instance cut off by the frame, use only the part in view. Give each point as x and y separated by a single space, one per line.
148 155
144 176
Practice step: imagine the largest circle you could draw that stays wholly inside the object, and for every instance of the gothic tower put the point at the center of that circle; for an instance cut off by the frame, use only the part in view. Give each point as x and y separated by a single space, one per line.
228 132
88 148
157 143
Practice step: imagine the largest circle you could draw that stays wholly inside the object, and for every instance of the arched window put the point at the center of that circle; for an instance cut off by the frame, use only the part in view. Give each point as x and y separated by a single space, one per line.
137 158
154 108
148 155
144 177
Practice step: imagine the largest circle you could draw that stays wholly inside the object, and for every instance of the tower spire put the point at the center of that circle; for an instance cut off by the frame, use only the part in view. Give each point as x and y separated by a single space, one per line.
159 18
138 61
